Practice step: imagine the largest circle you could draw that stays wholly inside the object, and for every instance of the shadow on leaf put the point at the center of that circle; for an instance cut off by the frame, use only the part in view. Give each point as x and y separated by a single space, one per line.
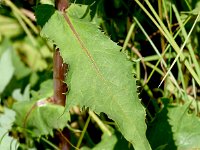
159 132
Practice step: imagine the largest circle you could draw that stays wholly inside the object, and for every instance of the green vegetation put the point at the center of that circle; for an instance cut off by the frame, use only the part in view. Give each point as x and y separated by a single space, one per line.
131 68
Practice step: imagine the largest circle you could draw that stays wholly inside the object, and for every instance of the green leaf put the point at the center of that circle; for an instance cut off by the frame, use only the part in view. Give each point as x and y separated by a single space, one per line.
160 127
31 56
20 69
47 10
192 13
6 69
6 121
46 90
22 97
99 74
113 142
9 27
40 116
185 127
195 11
107 143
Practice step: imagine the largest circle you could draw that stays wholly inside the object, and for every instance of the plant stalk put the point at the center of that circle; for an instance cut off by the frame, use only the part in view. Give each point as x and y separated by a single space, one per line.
59 71
60 87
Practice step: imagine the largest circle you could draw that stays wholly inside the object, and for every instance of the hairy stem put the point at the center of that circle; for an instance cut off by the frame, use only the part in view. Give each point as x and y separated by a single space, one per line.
60 87
59 71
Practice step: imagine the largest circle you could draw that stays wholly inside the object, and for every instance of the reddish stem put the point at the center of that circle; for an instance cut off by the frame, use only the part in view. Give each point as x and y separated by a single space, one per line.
61 5
59 71
60 87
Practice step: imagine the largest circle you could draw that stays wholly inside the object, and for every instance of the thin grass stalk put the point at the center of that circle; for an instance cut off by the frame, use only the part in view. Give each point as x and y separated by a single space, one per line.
188 5
102 126
167 55
189 45
138 70
157 51
168 37
155 67
50 143
180 73
128 37
167 18
16 10
168 46
173 43
180 52
83 132
23 25
162 40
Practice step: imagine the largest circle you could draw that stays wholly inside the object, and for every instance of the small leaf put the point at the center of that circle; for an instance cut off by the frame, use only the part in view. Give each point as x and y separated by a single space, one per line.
22 97
196 10
46 90
9 27
6 69
32 57
20 69
160 127
113 142
39 115
192 13
185 127
99 74
107 142
6 121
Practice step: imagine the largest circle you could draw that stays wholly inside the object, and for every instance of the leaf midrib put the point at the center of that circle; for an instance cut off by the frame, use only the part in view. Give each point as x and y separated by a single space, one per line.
82 45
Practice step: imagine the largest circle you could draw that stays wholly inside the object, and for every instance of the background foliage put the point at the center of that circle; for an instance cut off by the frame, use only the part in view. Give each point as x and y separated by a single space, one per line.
156 40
